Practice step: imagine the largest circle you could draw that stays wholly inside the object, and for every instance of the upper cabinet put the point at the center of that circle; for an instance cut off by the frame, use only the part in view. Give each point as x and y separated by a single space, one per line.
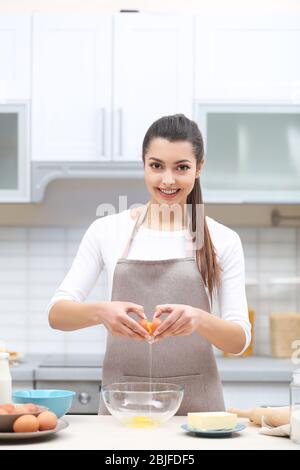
252 153
247 88
252 58
14 155
15 56
87 86
72 75
15 93
153 76
99 82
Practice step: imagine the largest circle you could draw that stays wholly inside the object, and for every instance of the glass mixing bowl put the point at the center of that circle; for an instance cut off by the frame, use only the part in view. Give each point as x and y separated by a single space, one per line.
142 404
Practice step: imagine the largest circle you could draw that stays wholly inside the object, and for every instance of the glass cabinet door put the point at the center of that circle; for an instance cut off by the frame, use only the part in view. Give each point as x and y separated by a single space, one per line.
254 154
9 168
14 165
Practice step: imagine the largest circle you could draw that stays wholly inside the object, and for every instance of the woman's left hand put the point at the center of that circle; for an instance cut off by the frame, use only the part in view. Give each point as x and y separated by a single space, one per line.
182 320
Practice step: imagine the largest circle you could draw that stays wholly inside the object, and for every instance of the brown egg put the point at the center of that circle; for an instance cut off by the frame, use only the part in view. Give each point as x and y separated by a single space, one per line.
31 407
47 420
22 409
26 423
8 407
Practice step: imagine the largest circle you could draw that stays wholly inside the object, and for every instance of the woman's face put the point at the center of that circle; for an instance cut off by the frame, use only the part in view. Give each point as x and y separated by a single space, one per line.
170 167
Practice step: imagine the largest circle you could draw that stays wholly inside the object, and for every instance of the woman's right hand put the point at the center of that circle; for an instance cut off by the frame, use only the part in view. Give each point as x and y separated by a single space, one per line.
116 319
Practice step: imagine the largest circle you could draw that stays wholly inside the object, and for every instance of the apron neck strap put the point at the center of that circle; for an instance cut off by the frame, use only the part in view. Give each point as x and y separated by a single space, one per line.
138 223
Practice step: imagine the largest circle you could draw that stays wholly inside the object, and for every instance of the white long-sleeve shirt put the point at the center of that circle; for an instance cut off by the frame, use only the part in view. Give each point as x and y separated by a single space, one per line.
105 240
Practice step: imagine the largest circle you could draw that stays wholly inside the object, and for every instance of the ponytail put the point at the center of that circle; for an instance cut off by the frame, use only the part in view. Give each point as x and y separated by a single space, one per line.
206 255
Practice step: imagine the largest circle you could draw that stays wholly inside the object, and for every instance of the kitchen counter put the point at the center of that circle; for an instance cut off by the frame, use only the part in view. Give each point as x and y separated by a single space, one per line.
239 369
105 432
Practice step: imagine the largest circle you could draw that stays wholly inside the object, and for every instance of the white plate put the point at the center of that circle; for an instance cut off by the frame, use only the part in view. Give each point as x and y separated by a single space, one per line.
214 432
61 424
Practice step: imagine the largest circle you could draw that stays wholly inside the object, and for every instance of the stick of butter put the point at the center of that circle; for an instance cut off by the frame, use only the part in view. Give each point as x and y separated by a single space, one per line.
212 420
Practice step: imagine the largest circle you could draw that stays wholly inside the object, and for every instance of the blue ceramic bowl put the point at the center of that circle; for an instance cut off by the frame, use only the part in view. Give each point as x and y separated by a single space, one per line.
58 401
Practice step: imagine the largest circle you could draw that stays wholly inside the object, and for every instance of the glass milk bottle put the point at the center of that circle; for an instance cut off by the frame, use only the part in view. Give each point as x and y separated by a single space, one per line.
5 379
295 407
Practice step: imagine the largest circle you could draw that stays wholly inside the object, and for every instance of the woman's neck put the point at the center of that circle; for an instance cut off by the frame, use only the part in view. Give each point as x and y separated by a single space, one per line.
164 217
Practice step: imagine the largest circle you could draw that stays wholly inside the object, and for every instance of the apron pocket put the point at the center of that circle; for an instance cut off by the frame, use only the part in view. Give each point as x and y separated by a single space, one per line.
176 379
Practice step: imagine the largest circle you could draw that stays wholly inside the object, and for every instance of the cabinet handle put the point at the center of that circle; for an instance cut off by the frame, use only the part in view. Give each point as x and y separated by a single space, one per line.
120 119
84 398
101 144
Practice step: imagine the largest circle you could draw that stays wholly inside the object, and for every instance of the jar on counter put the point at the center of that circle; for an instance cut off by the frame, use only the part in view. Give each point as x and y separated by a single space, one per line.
5 379
295 407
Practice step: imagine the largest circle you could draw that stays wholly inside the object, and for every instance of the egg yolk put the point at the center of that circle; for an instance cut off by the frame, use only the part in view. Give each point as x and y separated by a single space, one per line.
142 422
150 326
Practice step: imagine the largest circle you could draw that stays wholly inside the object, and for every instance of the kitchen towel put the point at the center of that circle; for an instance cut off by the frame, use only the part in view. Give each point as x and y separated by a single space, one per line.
266 428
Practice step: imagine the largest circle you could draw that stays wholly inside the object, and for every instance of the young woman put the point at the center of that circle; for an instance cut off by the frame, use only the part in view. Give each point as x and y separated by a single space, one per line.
154 269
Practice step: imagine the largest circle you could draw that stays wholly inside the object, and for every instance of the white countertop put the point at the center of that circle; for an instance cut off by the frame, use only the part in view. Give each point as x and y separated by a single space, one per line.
105 432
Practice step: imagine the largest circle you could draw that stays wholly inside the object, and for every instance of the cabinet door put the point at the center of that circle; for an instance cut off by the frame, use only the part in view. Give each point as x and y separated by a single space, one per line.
252 394
15 47
14 155
252 153
153 76
253 58
71 87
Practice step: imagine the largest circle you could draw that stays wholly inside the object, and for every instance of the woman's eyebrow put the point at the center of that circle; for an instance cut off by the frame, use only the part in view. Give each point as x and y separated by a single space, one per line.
178 161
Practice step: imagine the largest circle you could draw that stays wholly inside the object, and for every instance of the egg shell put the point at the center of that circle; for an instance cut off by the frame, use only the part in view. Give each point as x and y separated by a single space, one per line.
47 420
26 423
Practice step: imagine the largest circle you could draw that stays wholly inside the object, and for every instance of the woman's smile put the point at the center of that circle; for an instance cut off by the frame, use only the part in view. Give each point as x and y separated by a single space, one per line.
168 193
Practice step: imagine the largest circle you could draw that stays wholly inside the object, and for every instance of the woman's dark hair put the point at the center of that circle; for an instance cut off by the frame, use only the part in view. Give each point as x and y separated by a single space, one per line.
175 128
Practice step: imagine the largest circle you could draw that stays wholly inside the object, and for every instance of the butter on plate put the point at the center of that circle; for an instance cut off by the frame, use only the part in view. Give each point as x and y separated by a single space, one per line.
212 420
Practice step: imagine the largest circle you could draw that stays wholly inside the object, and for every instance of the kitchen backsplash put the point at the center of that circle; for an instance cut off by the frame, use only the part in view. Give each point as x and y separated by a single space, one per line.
33 261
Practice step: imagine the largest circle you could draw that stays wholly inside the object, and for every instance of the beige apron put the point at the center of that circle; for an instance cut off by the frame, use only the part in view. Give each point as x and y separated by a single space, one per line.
185 360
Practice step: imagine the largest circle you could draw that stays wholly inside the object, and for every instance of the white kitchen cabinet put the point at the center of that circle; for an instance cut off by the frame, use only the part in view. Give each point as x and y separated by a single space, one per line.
71 100
255 380
99 81
15 56
252 394
248 57
252 153
14 152
153 76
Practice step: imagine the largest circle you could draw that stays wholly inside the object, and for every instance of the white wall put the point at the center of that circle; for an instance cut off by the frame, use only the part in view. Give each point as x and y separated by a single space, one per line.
34 260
